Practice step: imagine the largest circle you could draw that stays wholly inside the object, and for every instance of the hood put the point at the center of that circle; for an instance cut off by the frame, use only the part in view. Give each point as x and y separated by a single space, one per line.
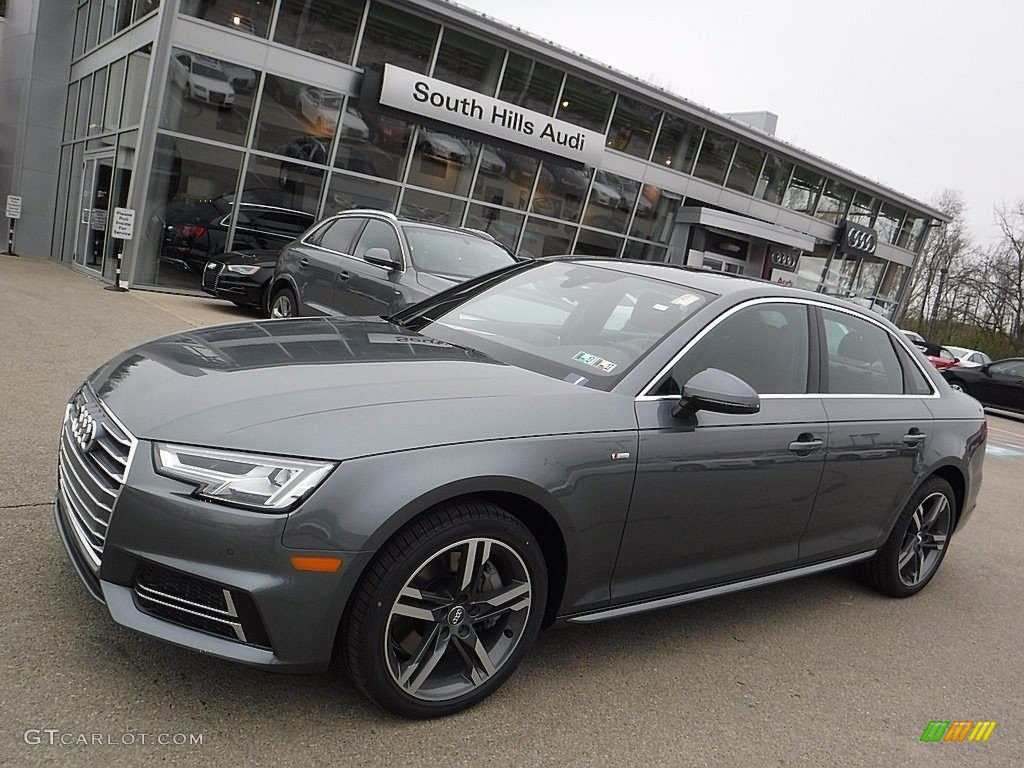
336 389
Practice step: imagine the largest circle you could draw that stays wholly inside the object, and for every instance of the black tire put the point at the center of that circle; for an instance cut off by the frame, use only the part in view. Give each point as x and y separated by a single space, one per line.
369 642
883 571
284 303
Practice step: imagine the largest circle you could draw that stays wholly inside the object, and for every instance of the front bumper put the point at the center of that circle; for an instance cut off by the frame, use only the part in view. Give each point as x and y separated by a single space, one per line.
244 289
157 524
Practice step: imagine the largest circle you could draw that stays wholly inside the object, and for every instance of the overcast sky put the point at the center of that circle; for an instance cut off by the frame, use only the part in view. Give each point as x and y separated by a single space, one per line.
919 95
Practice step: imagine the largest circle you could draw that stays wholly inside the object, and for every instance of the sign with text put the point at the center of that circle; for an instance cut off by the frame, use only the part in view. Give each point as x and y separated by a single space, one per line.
447 103
858 240
124 224
13 207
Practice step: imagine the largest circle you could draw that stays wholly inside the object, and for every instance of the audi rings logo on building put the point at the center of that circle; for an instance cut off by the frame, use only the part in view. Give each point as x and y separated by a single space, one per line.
84 428
784 259
860 239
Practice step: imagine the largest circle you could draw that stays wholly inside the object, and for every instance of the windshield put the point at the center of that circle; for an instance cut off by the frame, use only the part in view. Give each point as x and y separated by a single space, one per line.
579 323
458 254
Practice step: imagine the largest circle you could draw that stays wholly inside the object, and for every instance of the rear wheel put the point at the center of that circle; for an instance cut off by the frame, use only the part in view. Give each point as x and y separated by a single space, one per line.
959 386
914 550
446 611
284 303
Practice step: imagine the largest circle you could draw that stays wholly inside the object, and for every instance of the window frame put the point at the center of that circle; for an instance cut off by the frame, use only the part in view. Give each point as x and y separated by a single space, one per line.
817 336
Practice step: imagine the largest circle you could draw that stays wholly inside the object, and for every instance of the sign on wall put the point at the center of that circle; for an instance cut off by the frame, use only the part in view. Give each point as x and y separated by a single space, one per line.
447 103
13 207
858 240
782 258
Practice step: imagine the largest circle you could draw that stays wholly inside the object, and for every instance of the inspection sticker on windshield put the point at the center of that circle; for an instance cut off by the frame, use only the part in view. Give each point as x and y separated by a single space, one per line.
686 299
595 362
394 338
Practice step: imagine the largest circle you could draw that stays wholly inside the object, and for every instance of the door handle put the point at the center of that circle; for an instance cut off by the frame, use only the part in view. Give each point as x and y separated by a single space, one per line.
914 437
805 444
343 276
303 262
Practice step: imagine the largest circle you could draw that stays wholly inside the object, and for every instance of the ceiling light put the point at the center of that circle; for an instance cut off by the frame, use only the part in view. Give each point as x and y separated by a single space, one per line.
565 103
236 20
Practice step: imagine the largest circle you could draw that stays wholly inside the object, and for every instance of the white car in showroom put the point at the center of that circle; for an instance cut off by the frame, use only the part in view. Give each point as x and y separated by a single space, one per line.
202 80
320 109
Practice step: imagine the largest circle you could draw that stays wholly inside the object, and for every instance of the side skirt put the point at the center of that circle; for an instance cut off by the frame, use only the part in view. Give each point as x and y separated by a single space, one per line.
723 589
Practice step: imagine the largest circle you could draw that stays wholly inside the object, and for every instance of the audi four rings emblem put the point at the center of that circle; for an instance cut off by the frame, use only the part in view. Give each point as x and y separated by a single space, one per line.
84 428
784 259
862 240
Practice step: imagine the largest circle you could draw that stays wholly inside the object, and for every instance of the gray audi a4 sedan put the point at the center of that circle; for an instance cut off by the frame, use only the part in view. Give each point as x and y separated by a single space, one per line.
577 439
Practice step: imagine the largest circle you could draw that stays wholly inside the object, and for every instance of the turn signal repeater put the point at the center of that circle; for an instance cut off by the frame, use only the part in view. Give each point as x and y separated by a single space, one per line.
316 563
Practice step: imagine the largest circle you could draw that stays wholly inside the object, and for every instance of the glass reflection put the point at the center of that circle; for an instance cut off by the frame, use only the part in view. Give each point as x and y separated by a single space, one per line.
593 243
888 222
188 211
530 84
424 206
297 120
633 127
803 190
445 162
279 202
560 191
635 249
546 238
745 170
773 180
585 104
323 27
395 37
372 143
715 154
468 61
503 226
347 192
506 177
611 201
208 97
655 214
250 17
677 144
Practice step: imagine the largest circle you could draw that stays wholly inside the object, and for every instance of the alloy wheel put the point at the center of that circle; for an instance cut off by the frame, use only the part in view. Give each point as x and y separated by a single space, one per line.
282 306
957 387
458 619
926 536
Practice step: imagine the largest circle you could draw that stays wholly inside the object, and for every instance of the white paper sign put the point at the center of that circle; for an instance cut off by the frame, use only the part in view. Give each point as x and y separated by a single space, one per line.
447 103
98 219
13 207
124 224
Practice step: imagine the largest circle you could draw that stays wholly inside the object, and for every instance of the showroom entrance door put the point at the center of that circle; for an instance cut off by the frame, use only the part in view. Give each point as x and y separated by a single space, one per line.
92 243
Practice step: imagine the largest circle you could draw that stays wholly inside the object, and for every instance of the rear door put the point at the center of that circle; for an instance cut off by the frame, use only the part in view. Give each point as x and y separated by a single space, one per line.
879 426
325 260
366 289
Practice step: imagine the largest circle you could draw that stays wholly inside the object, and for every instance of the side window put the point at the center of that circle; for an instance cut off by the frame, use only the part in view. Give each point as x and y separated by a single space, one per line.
341 234
1007 368
914 382
861 359
766 345
378 235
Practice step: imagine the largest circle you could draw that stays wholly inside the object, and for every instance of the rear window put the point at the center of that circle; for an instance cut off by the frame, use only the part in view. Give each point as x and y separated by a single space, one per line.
458 254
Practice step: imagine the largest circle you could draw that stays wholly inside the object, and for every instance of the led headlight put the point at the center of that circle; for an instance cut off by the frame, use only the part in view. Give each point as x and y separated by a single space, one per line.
256 481
243 269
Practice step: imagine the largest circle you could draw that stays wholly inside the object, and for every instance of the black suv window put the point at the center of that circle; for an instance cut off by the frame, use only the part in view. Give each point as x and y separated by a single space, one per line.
861 359
341 234
766 345
378 234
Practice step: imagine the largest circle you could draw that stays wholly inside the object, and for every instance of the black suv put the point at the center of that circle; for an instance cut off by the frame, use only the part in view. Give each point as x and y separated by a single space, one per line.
372 263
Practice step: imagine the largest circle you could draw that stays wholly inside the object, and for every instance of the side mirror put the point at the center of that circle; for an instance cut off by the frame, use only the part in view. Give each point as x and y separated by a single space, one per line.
719 392
984 369
382 258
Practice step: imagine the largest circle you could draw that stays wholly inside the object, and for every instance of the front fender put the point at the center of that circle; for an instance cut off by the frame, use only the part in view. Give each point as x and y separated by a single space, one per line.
572 478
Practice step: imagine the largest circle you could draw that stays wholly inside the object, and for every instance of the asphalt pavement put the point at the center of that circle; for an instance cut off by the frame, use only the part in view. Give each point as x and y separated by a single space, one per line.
820 671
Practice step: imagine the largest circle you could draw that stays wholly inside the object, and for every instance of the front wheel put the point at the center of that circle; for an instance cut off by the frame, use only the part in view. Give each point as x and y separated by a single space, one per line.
917 544
958 386
284 303
446 611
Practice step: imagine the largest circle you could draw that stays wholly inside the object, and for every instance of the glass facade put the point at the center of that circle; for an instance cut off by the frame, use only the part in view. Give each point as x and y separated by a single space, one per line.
249 159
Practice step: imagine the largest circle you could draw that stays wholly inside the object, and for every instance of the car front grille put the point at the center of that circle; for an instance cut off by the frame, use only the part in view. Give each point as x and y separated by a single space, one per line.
216 98
211 275
192 602
95 452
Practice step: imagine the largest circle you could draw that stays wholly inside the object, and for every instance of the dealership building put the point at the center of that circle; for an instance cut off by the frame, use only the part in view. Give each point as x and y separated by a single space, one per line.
235 124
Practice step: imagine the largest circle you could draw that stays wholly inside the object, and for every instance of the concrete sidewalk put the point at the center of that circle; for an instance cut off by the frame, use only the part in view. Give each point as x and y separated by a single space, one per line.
59 325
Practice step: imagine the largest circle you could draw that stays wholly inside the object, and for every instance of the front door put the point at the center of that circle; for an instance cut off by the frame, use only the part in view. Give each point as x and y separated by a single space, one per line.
367 289
91 244
720 497
1001 385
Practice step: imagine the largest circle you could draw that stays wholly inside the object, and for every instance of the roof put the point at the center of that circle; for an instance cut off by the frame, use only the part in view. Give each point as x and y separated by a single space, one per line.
666 99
